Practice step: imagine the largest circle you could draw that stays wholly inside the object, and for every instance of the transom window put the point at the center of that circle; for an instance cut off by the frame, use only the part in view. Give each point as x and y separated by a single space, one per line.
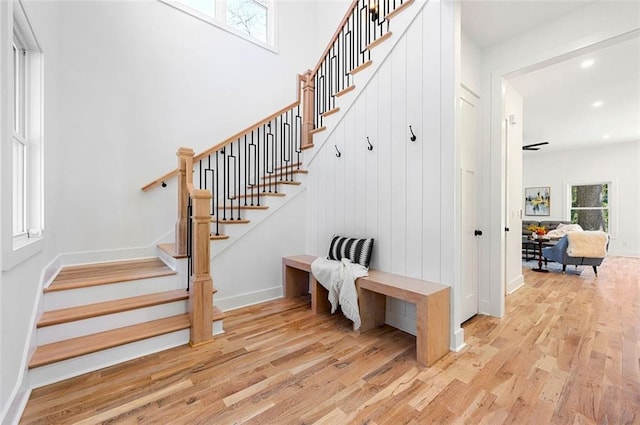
249 17
590 206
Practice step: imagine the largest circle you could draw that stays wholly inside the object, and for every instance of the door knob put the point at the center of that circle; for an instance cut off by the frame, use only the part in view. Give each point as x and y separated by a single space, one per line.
477 233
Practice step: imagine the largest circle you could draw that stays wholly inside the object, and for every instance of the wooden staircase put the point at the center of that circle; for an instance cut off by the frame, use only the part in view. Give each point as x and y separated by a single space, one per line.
105 313
96 315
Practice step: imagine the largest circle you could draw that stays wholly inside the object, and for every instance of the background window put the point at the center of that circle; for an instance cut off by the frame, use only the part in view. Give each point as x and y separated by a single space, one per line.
19 142
250 17
590 206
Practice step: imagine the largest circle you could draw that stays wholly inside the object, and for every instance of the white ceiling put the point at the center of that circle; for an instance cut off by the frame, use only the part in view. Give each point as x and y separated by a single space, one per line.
558 99
491 21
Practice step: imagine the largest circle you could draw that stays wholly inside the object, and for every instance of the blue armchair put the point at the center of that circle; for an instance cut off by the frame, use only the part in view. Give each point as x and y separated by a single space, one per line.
558 253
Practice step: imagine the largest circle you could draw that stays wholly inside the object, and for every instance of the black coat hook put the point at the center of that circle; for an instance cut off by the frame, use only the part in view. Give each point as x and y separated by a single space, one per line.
338 155
413 136
164 184
370 147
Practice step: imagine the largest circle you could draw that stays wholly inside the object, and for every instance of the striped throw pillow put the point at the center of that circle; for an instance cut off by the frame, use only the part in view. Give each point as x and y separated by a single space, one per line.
356 250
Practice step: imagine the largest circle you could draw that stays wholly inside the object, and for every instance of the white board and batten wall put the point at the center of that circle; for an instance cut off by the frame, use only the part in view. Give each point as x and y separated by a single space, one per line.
392 193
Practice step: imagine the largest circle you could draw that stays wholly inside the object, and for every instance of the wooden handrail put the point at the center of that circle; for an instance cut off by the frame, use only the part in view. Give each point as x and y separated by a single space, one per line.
249 129
342 23
304 83
224 143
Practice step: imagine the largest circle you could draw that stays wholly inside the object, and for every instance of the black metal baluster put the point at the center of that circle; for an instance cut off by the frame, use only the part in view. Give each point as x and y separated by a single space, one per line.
246 181
189 242
237 190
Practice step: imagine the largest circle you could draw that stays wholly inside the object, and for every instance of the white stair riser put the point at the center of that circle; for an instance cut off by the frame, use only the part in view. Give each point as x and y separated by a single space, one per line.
78 328
66 369
59 371
217 327
167 259
112 291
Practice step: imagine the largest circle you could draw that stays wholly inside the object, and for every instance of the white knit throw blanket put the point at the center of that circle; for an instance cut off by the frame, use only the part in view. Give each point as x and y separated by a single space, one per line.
339 277
587 244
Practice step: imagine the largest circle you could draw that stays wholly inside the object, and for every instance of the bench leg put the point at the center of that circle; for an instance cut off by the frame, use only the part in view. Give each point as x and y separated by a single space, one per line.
319 298
432 336
294 281
372 309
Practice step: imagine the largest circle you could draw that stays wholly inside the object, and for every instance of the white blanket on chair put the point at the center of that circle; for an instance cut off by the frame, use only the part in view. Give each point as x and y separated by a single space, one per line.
339 277
587 244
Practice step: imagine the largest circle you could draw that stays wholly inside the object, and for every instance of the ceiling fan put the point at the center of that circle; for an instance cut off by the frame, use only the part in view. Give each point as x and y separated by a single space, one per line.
532 147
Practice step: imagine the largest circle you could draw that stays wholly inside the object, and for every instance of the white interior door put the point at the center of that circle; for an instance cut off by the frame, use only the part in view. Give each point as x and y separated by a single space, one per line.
468 132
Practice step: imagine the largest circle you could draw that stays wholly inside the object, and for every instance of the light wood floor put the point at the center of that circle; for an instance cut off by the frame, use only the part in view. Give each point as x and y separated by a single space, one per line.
567 352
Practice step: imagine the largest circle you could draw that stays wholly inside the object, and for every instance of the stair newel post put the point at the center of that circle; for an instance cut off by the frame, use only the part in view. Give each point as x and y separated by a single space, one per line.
201 293
308 99
185 163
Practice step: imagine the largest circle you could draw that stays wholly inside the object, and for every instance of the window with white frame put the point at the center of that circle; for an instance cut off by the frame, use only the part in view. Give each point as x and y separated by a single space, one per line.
590 206
26 158
250 17
19 142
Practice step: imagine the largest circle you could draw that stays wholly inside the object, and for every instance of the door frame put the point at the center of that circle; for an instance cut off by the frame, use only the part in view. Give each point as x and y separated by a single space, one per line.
492 294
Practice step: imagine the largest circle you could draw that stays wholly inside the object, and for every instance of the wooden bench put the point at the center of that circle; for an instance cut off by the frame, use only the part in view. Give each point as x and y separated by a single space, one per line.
431 300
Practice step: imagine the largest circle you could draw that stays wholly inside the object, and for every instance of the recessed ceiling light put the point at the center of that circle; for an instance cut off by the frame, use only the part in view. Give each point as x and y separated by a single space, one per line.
587 63
606 136
597 103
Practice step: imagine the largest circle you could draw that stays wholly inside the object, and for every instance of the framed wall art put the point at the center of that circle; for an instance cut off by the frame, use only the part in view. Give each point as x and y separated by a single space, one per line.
537 201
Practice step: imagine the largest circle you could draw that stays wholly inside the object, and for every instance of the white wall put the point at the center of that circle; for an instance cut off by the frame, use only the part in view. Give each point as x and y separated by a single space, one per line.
513 129
133 93
617 163
20 285
328 16
582 29
394 193
250 271
470 64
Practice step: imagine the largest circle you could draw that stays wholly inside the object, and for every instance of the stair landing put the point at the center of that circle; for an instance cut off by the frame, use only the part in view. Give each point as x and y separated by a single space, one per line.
72 277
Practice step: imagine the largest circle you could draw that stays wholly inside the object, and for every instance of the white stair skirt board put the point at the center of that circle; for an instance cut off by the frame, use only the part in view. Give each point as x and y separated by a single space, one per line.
93 325
111 291
66 369
256 216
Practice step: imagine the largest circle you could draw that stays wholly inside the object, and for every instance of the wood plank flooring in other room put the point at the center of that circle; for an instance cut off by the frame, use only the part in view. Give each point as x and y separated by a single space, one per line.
566 352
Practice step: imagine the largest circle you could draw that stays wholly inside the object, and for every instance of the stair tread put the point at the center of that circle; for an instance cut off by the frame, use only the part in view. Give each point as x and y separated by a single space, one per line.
170 248
282 167
227 221
283 173
75 347
243 207
255 195
87 311
218 237
72 277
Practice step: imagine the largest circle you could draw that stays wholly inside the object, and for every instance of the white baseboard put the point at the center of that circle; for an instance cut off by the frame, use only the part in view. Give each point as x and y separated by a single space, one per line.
515 284
14 409
632 254
457 342
247 299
